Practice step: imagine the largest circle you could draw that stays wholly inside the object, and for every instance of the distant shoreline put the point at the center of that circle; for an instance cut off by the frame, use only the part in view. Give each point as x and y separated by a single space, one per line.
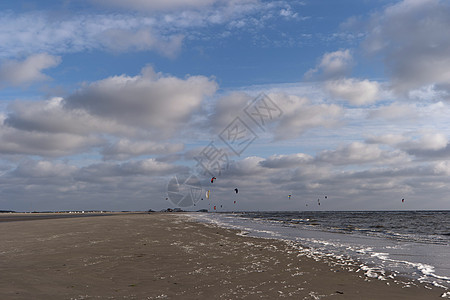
15 216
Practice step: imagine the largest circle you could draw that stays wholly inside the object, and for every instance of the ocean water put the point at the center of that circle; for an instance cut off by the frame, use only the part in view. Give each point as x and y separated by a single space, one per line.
400 244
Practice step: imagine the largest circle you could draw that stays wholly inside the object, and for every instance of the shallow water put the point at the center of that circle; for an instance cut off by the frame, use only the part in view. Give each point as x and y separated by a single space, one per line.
412 244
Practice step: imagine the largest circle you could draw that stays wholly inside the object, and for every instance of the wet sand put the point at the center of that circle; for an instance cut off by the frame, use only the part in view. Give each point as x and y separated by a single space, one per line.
167 256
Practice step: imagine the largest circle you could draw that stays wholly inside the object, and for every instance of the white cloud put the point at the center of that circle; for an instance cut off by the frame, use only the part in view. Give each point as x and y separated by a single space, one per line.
29 70
123 40
442 168
360 153
50 116
43 169
409 36
248 166
332 65
132 113
423 143
356 92
387 139
395 112
163 32
156 5
427 141
39 32
13 142
299 115
160 104
126 149
107 171
286 161
226 109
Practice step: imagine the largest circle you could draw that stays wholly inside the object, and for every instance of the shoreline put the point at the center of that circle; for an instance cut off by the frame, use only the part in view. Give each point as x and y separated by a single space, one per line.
17 217
170 256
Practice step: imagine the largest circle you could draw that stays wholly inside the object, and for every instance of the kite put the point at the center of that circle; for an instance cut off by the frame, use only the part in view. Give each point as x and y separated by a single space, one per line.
212 179
236 190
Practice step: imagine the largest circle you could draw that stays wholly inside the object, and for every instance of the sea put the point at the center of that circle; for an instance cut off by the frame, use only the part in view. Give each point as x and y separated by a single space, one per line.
380 244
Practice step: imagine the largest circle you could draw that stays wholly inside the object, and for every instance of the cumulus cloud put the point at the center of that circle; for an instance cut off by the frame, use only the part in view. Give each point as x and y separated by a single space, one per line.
395 112
332 65
43 169
125 116
226 109
119 105
301 115
356 92
360 153
387 139
425 144
293 116
50 116
13 141
409 36
125 149
286 161
427 141
248 166
158 103
107 171
29 70
442 168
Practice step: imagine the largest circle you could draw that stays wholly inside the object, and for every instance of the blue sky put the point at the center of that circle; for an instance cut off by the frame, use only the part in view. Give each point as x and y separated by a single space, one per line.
103 102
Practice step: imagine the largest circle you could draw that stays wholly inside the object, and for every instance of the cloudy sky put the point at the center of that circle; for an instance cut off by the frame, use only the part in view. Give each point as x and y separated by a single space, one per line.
104 102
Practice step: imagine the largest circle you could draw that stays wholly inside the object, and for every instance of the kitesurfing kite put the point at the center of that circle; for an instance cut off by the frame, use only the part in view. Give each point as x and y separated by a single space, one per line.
236 190
289 196
212 179
403 200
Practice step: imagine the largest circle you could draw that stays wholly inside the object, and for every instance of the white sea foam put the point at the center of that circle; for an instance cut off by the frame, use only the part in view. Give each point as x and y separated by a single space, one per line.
446 295
377 254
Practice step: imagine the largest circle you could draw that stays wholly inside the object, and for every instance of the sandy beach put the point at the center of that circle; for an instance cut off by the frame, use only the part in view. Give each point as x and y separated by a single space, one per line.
168 256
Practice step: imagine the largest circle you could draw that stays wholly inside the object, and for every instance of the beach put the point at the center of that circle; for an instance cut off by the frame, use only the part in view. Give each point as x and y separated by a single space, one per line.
169 256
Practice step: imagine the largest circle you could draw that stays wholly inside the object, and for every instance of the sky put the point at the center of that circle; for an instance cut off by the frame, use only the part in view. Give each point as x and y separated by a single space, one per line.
135 105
